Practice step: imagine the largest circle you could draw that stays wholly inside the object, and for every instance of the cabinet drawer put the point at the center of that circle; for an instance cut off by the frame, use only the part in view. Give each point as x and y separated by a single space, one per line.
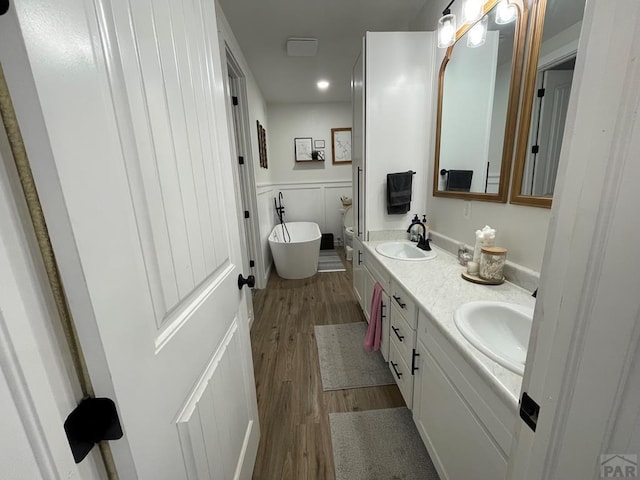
401 334
405 304
401 374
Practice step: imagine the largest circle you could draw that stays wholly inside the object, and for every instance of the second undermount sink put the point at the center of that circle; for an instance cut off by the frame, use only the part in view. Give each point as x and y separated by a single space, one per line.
404 251
499 330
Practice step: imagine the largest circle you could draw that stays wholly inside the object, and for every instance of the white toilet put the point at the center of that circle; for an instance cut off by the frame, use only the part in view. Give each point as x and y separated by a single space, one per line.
347 231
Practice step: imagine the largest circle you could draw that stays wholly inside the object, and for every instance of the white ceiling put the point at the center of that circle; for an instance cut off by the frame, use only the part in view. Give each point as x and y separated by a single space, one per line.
263 26
561 14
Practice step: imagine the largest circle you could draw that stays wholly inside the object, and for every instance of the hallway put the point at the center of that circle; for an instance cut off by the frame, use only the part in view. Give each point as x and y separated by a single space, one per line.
295 441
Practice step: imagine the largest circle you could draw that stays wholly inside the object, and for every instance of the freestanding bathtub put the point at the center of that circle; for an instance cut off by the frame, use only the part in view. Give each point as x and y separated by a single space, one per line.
299 257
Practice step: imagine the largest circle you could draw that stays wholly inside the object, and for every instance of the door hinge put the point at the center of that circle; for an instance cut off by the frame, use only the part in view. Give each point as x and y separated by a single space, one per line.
535 149
246 214
241 160
541 92
234 100
529 411
92 421
252 263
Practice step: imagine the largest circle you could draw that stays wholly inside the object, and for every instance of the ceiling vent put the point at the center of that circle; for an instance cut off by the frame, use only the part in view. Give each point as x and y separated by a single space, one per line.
302 47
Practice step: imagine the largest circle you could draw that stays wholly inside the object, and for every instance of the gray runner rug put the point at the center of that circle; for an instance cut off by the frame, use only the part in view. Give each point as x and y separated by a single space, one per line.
329 261
379 445
343 361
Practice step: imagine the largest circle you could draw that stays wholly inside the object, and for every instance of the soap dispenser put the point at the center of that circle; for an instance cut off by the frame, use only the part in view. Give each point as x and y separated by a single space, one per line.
414 229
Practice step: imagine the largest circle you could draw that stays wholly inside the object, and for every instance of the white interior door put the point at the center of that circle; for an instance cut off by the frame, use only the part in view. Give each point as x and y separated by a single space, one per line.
553 115
122 109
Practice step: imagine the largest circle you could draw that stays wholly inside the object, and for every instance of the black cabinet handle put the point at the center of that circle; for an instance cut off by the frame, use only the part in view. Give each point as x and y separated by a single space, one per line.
359 257
397 299
396 330
413 361
394 365
382 307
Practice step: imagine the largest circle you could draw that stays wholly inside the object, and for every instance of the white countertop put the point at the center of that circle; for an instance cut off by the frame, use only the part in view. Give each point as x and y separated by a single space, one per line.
438 290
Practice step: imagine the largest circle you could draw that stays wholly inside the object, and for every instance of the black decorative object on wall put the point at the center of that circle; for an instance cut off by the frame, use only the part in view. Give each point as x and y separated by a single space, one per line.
262 145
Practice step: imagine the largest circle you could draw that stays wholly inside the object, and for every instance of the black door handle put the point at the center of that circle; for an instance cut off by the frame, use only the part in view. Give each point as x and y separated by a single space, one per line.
250 280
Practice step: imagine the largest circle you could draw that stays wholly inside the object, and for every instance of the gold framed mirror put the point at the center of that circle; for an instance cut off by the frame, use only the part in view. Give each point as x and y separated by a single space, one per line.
553 43
478 97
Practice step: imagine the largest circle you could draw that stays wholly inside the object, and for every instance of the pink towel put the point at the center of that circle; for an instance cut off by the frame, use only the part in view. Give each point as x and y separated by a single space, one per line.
372 338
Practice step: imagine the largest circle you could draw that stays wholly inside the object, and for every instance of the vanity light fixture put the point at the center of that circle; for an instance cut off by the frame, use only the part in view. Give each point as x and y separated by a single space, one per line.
472 10
478 33
505 13
447 28
323 84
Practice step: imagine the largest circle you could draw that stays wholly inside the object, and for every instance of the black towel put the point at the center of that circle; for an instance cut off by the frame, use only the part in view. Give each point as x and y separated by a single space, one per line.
459 180
399 192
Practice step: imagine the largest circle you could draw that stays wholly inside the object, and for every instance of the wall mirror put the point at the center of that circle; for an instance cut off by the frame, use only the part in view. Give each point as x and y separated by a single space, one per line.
478 96
551 56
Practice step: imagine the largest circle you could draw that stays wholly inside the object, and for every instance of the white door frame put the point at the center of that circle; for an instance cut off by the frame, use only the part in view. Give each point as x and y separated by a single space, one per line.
36 371
245 173
582 366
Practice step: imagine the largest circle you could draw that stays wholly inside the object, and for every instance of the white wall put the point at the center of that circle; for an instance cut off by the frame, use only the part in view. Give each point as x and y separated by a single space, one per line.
561 45
311 190
290 120
522 230
257 105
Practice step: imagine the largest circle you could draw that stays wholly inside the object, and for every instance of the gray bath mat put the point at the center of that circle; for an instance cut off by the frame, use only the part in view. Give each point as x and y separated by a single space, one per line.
343 361
379 445
329 261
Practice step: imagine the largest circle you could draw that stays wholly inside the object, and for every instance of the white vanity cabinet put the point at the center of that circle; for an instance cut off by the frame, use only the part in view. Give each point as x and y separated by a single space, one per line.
465 426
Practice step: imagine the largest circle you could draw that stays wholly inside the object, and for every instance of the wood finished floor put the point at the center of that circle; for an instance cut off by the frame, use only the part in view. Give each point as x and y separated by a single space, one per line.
295 441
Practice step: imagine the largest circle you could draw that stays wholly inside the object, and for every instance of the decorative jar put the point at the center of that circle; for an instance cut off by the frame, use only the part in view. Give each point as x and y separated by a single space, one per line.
492 261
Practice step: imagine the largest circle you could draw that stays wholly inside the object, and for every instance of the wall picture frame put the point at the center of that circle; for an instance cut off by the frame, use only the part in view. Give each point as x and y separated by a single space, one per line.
341 145
303 147
262 145
318 144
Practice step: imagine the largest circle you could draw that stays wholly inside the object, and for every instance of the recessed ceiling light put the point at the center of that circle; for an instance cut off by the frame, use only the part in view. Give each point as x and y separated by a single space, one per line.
323 84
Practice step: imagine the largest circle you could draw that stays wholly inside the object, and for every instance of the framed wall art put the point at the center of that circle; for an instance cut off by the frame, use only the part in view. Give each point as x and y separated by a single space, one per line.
262 145
303 147
341 145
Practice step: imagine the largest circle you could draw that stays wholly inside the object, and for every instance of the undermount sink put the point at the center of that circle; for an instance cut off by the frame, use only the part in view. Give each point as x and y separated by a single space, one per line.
499 330
404 251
